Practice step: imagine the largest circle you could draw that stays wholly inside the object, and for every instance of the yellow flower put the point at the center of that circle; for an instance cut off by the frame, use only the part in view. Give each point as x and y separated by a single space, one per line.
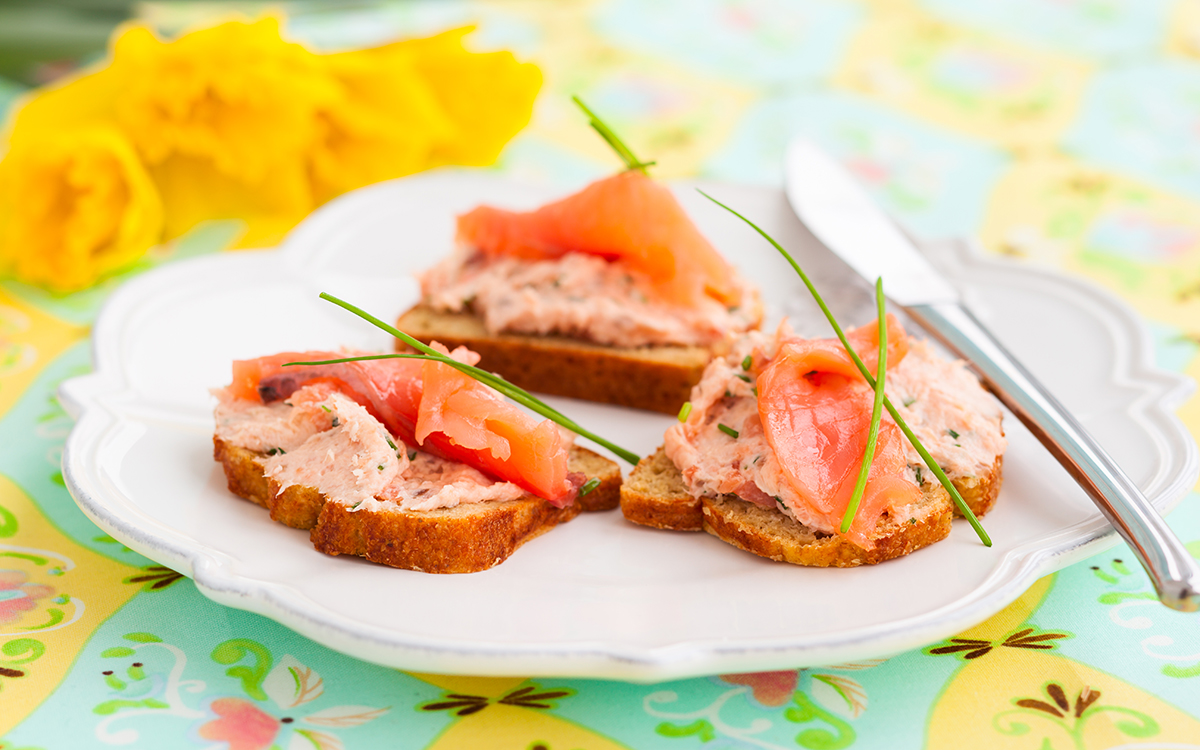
75 205
224 117
489 96
417 104
233 121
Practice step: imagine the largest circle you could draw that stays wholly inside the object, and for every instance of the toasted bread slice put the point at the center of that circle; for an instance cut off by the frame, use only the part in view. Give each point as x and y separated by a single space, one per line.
655 378
769 533
464 539
655 495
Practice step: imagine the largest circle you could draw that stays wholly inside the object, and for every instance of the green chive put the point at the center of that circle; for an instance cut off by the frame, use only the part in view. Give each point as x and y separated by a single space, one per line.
520 395
727 430
876 413
380 467
390 443
589 485
920 477
952 434
862 368
355 506
749 360
909 402
412 455
631 161
744 377
685 410
326 408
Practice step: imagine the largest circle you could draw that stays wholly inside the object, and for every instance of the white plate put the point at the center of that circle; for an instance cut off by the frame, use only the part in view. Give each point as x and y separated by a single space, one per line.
598 597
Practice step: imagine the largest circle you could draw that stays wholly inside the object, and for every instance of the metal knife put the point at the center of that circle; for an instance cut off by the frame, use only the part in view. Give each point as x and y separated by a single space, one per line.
842 215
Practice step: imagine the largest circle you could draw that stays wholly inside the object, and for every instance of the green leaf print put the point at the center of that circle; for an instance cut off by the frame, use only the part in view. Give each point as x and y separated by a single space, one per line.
117 652
819 739
111 707
1170 670
700 727
236 649
143 638
24 649
8 523
55 617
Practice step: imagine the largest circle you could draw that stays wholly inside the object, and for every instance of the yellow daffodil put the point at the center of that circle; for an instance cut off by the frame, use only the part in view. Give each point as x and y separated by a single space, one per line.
235 122
75 205
224 118
416 104
489 96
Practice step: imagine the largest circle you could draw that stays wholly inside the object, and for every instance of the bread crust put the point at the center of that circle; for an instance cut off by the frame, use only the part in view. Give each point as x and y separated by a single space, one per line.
769 533
464 539
654 378
656 495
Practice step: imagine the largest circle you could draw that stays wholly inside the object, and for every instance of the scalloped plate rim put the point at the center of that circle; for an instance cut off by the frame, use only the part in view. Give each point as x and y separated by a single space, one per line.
87 397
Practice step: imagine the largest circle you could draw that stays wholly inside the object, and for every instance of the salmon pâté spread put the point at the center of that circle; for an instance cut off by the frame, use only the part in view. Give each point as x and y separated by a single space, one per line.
619 263
417 434
781 421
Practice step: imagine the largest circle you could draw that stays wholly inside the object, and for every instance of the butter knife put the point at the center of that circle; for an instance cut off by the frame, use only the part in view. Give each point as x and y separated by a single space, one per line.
843 217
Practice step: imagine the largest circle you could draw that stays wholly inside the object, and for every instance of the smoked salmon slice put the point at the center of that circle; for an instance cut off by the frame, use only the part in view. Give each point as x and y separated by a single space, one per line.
627 218
815 409
434 406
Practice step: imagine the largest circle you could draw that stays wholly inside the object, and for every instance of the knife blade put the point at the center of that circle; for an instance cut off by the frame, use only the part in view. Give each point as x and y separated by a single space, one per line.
842 215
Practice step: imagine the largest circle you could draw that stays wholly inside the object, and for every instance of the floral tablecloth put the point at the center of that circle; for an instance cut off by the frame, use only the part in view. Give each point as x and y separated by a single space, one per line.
1064 133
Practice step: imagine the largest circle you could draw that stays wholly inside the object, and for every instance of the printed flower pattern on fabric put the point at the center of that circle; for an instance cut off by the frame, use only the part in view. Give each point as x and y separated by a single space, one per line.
18 596
974 648
1061 715
269 716
25 603
530 696
1131 590
820 701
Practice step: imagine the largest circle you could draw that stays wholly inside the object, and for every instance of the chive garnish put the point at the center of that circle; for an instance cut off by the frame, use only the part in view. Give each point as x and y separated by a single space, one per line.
412 454
860 485
380 467
589 485
909 402
631 161
520 395
749 360
920 477
389 441
685 410
862 368
743 377
326 408
727 430
952 434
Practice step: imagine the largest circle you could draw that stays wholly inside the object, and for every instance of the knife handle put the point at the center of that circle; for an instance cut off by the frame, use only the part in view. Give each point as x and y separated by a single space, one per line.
1174 572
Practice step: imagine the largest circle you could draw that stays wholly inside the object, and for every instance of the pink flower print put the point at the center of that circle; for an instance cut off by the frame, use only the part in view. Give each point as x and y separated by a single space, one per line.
241 724
772 689
17 596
